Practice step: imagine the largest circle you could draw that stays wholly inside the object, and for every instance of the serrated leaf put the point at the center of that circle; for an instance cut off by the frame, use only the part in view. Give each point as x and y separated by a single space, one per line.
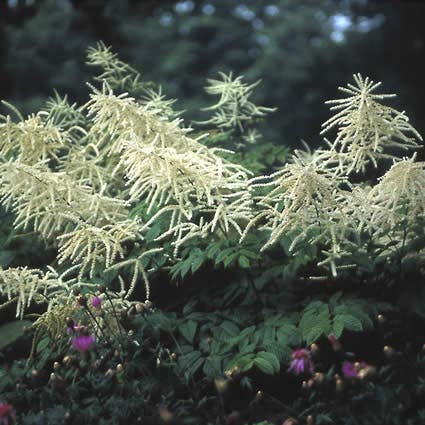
350 322
243 262
269 358
188 330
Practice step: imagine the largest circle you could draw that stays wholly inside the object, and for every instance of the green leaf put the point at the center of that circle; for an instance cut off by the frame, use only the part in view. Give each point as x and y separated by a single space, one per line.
243 262
267 362
43 344
350 322
6 257
10 332
188 330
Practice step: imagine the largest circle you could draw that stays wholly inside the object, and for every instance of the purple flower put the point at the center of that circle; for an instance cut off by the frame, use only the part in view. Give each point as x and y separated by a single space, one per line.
349 370
6 413
83 343
96 302
352 370
301 362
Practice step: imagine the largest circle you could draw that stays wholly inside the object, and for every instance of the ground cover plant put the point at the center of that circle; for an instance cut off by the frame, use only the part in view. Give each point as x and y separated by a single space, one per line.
167 273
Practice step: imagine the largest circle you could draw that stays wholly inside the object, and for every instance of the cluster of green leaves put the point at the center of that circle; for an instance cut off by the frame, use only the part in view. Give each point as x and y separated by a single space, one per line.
324 319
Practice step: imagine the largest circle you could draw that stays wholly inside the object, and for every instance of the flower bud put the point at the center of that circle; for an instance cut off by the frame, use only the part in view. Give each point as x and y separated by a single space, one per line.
310 420
381 319
389 351
290 421
101 288
165 415
139 307
339 385
259 395
82 301
314 348
56 365
319 377
69 322
221 385
120 367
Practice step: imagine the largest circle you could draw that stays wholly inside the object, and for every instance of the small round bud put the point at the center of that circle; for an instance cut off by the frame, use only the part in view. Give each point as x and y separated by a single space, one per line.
314 348
120 367
381 318
362 374
221 385
148 304
304 385
69 322
259 395
53 376
389 351
319 377
228 373
56 365
82 300
370 371
173 357
165 415
130 333
290 421
117 353
310 420
101 288
139 307
339 385
310 383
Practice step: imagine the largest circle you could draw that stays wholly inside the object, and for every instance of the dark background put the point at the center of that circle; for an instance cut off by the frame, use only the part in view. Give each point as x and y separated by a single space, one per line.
301 49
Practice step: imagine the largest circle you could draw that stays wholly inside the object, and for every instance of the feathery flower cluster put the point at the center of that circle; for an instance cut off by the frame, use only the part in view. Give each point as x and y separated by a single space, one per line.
234 107
23 286
170 171
367 129
313 198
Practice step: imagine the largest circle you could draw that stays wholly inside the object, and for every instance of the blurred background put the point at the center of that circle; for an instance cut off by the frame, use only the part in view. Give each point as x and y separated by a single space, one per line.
301 49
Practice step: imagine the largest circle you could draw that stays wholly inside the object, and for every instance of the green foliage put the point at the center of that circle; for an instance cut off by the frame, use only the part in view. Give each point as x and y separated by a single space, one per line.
124 193
10 332
341 313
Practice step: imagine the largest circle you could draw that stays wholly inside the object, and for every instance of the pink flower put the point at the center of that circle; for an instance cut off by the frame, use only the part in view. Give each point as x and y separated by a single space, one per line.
96 302
6 413
301 362
83 343
349 370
